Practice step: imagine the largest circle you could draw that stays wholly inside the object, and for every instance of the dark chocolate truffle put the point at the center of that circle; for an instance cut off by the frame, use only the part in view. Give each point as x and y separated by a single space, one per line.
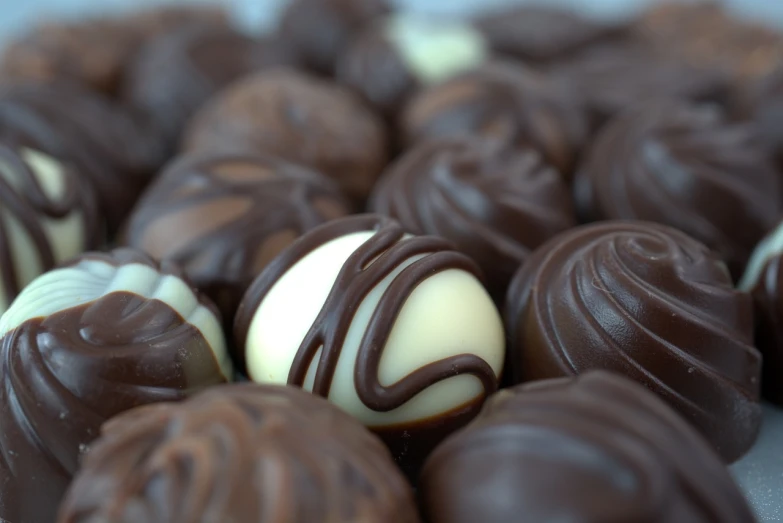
395 329
649 302
303 119
98 336
239 453
47 215
596 448
495 204
223 218
505 102
320 30
686 167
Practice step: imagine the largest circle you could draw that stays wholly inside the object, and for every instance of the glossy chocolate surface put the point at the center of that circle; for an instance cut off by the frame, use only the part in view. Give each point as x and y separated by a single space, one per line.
768 300
593 449
495 204
648 302
687 167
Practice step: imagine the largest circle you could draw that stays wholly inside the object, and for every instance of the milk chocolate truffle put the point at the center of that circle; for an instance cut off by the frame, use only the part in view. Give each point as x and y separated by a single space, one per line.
597 447
504 102
47 215
223 218
395 329
98 336
687 167
649 302
303 119
495 204
320 30
402 53
242 453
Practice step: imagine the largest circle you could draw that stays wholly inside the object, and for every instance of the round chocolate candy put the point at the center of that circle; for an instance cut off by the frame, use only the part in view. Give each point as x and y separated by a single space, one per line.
395 329
649 302
306 120
320 30
223 218
47 215
595 448
495 204
396 56
242 453
505 102
98 336
686 167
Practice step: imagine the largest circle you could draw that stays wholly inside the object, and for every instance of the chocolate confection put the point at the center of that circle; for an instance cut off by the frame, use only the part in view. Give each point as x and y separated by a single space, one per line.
241 453
504 102
649 302
176 73
400 54
151 23
47 215
320 30
542 34
595 448
395 329
496 205
302 119
684 166
98 336
101 142
223 218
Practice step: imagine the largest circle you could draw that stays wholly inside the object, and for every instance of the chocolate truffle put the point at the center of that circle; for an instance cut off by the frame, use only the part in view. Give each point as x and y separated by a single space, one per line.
649 302
104 145
320 30
223 218
402 53
303 119
683 166
395 329
495 204
505 102
95 337
595 448
47 215
242 453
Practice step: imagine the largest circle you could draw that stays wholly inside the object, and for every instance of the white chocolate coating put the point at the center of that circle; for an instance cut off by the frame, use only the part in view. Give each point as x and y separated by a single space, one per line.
448 314
770 246
436 50
90 280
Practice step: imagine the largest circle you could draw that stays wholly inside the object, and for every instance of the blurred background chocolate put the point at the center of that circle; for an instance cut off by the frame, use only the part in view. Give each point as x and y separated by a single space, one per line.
152 22
495 204
761 102
504 102
224 217
320 30
300 118
687 167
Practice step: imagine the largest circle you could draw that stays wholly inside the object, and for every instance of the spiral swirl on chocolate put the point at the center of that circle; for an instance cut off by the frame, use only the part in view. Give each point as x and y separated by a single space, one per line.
67 372
649 302
299 118
593 448
684 166
266 454
504 102
495 204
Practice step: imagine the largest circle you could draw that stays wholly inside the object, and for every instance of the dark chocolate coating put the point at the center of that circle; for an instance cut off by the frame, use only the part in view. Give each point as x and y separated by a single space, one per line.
505 102
686 167
592 449
300 118
651 303
239 453
495 204
320 30
67 373
223 218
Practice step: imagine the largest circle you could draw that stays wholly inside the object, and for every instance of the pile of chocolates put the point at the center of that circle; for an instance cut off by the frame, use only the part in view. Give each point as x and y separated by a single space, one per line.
377 267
